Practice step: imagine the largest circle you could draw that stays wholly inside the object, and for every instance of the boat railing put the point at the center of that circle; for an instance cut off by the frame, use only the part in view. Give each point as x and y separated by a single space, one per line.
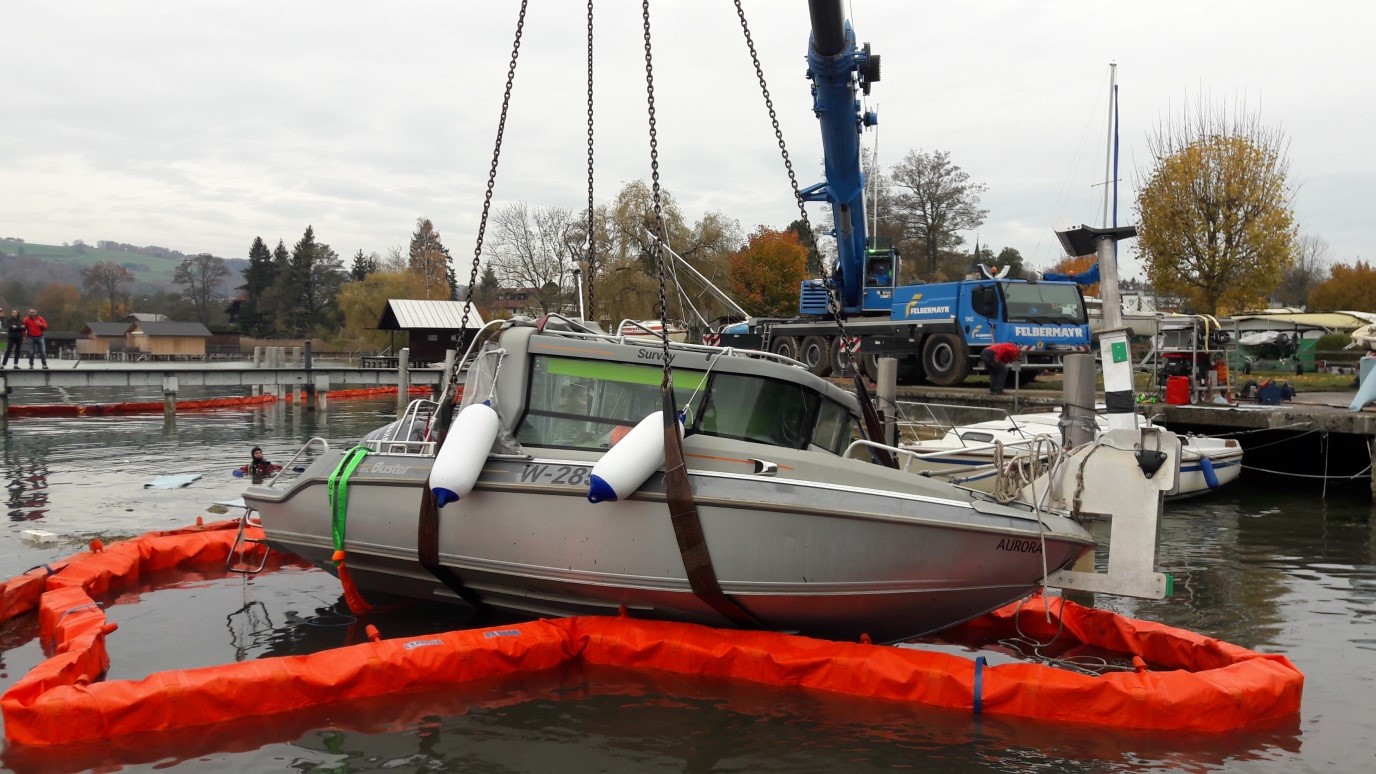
935 421
910 455
291 463
402 439
675 345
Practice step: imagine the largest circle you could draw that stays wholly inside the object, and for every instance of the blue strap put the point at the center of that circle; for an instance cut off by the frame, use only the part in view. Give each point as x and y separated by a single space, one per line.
979 684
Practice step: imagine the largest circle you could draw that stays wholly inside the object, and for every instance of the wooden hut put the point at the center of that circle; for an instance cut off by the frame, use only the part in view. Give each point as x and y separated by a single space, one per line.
431 327
169 340
96 338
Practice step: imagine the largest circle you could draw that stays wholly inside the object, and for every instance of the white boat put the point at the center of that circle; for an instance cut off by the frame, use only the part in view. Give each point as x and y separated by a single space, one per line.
797 534
652 330
964 450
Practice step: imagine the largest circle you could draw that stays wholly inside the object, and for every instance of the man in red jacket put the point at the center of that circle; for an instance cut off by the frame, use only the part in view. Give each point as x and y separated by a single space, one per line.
996 358
35 325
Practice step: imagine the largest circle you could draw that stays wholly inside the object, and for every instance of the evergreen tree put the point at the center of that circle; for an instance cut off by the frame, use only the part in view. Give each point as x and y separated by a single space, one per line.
429 258
308 289
453 283
363 266
488 285
258 281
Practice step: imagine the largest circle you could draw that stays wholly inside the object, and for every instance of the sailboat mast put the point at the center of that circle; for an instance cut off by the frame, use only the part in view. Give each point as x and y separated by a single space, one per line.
1108 145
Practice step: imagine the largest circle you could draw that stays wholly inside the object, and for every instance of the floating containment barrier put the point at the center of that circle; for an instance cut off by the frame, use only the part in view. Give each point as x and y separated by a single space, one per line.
198 404
1183 681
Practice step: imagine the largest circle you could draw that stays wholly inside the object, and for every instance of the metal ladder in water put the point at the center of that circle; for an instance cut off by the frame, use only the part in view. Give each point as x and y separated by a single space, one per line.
241 552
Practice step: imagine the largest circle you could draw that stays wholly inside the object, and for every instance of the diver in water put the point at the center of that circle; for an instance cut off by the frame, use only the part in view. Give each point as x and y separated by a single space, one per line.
258 466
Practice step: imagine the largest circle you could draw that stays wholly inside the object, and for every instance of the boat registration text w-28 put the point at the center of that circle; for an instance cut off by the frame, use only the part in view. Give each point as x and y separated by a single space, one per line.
572 475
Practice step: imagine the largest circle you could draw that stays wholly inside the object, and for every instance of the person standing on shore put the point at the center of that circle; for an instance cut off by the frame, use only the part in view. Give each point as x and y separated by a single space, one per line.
35 325
14 327
996 358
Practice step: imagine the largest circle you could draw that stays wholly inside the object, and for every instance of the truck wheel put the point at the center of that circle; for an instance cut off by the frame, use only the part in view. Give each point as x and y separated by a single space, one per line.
910 370
786 346
869 366
842 363
945 359
815 353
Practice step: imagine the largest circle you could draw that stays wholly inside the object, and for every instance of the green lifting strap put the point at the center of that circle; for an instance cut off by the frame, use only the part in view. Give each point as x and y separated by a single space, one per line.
338 488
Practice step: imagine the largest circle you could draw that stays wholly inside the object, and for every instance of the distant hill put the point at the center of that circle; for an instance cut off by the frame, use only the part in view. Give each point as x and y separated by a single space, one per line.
152 266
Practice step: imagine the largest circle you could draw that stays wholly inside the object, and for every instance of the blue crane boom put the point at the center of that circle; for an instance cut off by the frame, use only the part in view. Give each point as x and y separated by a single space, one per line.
839 70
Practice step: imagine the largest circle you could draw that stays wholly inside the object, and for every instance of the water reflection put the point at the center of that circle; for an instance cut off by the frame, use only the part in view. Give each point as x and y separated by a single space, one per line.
26 482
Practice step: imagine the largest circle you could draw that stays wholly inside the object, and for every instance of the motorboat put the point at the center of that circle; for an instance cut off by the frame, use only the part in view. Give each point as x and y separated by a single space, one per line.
652 330
950 444
800 533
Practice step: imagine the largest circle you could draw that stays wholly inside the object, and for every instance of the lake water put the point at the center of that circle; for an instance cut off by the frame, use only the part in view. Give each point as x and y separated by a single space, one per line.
1263 563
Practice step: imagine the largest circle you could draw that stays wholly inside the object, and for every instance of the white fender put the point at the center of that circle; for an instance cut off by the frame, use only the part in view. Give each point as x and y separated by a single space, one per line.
631 461
461 459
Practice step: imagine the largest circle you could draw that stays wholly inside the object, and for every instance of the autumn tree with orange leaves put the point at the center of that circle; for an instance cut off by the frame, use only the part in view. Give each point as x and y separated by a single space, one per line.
1349 287
766 274
1216 221
1078 264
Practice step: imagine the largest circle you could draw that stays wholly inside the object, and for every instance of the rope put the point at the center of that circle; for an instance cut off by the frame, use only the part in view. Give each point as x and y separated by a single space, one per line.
1080 481
1041 456
1353 477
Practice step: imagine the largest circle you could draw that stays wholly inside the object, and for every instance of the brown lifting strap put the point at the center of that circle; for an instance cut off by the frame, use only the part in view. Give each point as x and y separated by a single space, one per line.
428 542
874 429
692 544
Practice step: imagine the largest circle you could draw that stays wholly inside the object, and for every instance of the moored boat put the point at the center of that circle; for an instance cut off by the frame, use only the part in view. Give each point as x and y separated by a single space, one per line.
966 452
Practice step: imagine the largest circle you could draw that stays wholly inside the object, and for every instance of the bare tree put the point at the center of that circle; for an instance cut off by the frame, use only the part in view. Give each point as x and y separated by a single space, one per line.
110 280
536 248
200 277
935 200
1309 270
394 260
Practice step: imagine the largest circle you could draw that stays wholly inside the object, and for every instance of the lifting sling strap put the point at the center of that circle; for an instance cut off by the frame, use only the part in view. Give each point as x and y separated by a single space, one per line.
874 429
692 543
428 541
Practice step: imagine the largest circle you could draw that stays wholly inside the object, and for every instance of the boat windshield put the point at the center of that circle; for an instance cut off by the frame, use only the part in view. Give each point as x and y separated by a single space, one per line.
590 404
586 404
1043 302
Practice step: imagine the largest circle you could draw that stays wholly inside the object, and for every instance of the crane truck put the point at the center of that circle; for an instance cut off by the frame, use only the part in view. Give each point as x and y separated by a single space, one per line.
935 331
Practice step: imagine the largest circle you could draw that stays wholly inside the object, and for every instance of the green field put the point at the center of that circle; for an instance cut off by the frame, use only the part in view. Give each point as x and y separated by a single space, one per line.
156 270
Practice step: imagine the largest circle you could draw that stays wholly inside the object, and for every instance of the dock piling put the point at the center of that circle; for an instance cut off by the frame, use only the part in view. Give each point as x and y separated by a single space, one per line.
1078 401
886 389
169 398
403 379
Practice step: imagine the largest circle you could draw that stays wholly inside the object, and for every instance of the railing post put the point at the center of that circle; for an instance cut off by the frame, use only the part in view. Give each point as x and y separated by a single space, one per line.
403 380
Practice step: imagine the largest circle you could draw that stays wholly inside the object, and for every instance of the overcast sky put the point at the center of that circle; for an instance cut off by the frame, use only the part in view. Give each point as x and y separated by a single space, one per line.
199 125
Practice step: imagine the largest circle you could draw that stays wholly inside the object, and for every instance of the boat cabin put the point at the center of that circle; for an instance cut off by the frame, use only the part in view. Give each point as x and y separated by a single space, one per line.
586 393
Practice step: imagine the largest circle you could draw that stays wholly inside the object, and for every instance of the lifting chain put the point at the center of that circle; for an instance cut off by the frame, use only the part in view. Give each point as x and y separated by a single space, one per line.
492 171
833 302
591 256
658 247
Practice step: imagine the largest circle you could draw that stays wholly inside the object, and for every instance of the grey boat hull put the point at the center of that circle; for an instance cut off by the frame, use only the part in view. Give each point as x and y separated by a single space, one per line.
882 555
